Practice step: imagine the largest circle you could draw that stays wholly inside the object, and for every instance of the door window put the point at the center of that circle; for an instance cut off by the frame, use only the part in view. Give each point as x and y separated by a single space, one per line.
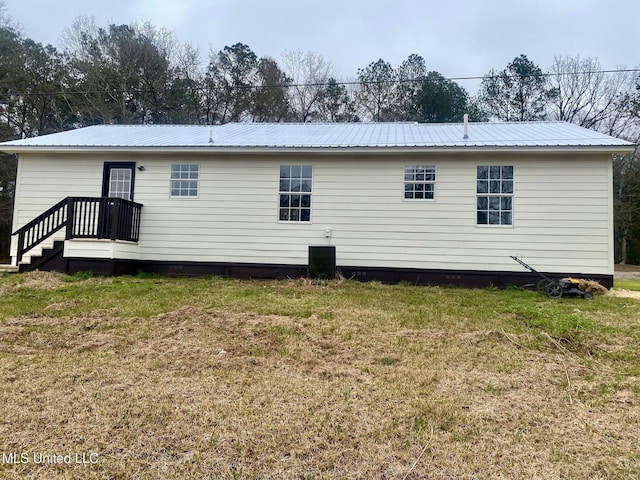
118 180
120 183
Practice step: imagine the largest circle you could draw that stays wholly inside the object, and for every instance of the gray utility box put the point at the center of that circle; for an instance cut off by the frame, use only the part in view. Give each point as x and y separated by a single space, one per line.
322 262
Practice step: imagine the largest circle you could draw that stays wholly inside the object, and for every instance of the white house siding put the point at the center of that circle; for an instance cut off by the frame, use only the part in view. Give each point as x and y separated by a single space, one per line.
44 179
562 209
102 249
561 215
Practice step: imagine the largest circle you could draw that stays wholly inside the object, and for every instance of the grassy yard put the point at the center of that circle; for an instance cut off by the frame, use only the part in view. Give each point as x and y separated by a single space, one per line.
627 284
156 378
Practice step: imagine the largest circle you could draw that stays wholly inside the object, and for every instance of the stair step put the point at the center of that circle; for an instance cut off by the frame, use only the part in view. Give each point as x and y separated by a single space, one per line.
39 251
8 268
41 256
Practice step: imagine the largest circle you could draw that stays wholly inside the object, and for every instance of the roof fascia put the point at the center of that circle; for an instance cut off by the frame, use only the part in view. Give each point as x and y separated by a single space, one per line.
612 149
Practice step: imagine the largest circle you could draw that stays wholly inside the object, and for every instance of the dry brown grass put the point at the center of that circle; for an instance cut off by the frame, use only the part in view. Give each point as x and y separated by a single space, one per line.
37 279
592 286
200 392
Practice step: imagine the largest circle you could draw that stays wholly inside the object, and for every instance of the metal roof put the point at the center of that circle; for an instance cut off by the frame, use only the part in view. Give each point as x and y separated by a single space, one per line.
323 136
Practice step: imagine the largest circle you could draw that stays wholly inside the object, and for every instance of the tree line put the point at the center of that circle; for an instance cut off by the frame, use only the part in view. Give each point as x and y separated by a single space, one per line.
141 74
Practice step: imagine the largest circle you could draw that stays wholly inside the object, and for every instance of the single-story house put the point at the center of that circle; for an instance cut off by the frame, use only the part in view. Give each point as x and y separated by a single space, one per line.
424 203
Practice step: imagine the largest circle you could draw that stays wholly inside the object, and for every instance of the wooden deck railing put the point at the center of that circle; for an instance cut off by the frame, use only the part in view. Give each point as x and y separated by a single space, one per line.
83 217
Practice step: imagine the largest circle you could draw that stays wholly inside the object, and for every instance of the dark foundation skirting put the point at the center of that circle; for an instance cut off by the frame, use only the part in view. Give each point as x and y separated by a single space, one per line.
467 278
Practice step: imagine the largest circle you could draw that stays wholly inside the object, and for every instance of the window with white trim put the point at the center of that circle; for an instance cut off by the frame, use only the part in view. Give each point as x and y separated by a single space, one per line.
494 190
184 180
295 193
120 180
419 182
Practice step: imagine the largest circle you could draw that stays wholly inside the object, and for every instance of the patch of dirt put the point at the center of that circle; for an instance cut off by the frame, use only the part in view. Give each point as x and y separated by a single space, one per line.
58 307
627 268
42 280
39 280
619 292
627 276
627 272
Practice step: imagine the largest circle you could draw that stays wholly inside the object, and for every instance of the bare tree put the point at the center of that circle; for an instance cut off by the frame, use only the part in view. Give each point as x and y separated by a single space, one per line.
186 99
309 73
589 97
624 120
5 18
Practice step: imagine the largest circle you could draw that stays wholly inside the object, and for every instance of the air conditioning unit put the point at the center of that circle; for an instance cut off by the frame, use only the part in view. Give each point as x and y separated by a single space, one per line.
322 262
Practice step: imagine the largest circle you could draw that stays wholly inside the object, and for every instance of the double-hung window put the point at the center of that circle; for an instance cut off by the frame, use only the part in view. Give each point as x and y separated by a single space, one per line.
419 182
295 193
494 193
184 180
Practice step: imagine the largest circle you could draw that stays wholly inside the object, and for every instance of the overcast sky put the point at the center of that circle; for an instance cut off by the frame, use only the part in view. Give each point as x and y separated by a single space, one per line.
462 38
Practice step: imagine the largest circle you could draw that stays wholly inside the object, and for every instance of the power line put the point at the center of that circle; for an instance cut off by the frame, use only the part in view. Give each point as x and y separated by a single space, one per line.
108 91
553 74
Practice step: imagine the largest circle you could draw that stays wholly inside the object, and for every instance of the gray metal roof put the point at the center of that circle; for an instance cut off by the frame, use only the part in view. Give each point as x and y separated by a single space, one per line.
322 136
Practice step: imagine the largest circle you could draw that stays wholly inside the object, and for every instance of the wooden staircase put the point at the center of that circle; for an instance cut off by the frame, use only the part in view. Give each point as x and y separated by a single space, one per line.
74 217
50 259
